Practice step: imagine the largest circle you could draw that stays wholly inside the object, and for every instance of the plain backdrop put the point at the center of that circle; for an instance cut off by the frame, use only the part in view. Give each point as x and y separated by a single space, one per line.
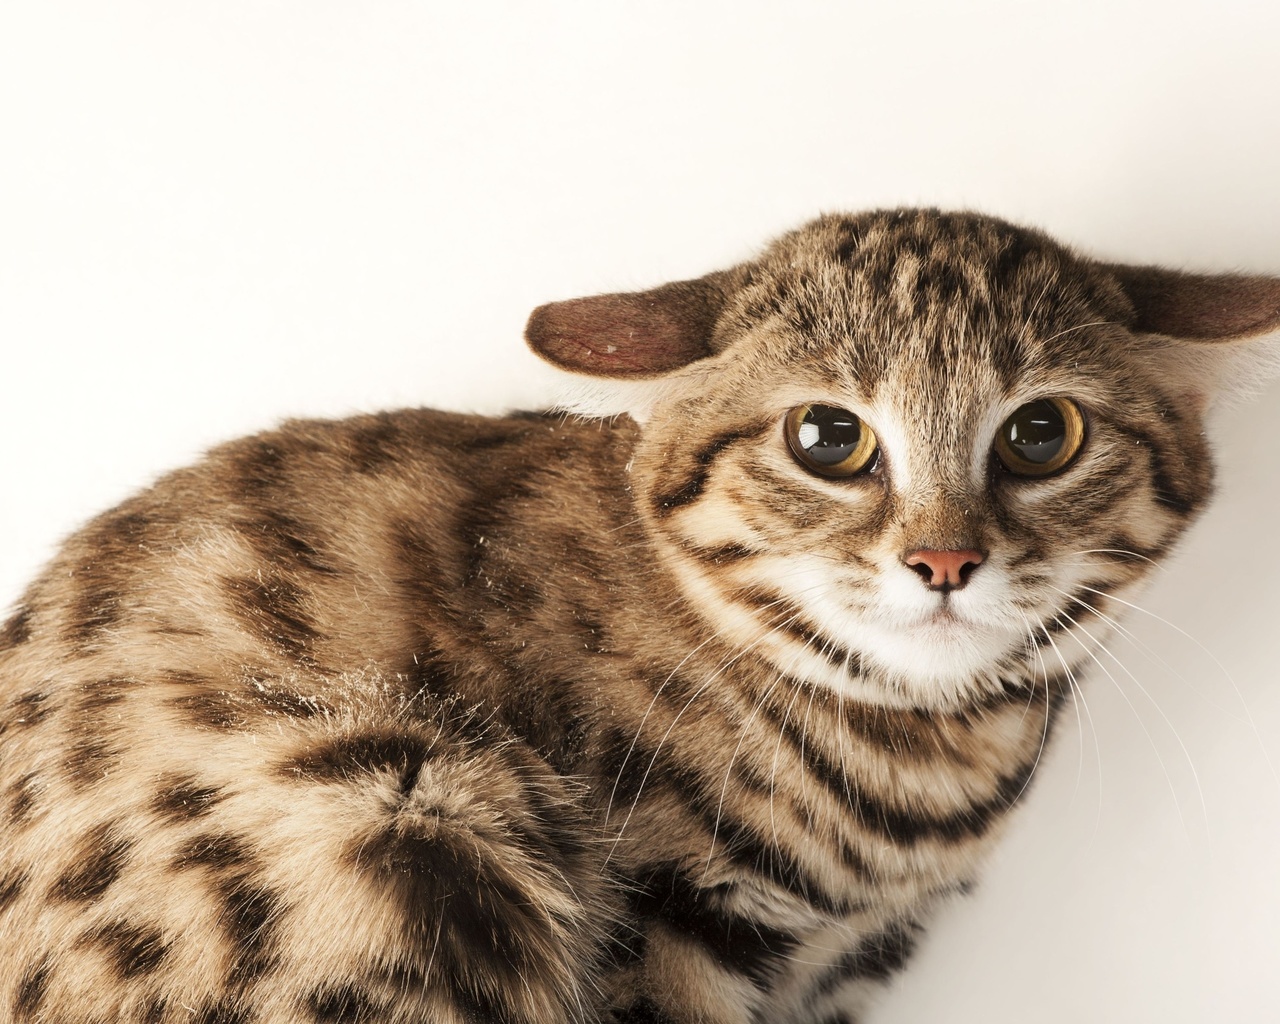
214 215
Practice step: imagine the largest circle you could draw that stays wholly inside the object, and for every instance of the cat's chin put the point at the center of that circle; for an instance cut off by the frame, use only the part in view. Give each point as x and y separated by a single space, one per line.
936 660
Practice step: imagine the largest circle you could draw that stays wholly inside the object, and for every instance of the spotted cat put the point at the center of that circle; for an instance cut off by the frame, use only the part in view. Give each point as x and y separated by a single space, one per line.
686 715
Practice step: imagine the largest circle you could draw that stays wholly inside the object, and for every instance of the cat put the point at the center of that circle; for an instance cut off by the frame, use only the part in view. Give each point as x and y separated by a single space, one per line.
688 714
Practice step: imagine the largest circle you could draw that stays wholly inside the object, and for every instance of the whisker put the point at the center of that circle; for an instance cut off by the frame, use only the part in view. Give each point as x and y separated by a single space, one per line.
1078 697
728 771
773 769
711 677
1150 739
1044 732
1226 674
1077 327
1126 552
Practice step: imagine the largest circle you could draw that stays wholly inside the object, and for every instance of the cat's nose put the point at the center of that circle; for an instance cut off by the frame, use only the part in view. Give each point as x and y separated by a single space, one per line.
944 570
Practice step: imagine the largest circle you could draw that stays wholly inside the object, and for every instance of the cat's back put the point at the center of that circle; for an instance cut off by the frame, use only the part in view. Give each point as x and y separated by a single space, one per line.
297 541
219 703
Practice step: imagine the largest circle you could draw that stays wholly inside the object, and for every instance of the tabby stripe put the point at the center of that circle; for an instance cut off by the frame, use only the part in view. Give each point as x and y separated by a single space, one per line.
272 608
1070 615
11 887
738 944
1126 550
642 1011
724 553
32 990
739 842
17 630
787 616
905 827
690 489
1162 480
875 958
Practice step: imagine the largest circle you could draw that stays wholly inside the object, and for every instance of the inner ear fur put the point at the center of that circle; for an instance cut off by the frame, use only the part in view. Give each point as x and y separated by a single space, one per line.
1200 307
632 334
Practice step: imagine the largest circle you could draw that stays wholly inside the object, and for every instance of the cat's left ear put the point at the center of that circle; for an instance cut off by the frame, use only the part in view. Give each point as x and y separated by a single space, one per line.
1224 328
628 335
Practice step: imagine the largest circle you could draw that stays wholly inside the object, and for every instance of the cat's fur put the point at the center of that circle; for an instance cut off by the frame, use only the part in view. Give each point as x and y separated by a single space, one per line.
434 718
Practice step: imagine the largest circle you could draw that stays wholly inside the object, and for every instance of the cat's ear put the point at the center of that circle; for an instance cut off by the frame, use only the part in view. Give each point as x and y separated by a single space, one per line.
629 335
1224 329
1201 307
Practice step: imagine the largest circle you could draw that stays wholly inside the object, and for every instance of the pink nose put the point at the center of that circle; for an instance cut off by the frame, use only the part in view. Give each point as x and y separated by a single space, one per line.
944 570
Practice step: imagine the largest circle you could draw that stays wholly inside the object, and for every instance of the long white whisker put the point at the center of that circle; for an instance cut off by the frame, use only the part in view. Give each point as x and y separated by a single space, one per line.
728 771
1044 731
1077 695
1226 674
710 678
1077 327
1186 753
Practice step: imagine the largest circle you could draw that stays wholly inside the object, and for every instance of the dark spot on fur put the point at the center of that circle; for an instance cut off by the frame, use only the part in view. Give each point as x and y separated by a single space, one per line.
377 445
250 912
184 799
484 529
154 1011
31 708
17 630
725 554
547 718
133 951
219 852
738 840
1017 249
276 700
25 793
876 958
946 283
454 897
341 1004
432 675
624 946
96 863
211 709
353 757
261 465
96 607
847 245
283 542
11 887
643 1011
225 1011
273 609
738 944
31 991
90 761
97 696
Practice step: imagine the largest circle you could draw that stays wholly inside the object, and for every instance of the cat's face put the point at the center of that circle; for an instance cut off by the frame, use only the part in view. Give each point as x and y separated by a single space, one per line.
919 455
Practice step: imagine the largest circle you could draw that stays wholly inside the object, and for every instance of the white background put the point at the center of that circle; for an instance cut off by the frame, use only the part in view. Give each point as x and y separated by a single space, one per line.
217 214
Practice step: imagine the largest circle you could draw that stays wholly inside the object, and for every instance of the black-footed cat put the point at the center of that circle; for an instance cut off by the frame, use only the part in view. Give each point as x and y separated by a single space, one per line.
688 716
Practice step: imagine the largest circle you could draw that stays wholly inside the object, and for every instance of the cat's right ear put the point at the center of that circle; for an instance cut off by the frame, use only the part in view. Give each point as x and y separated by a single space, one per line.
1215 323
629 335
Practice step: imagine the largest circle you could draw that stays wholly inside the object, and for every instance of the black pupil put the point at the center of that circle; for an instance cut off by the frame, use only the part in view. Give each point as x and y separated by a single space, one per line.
1036 432
837 435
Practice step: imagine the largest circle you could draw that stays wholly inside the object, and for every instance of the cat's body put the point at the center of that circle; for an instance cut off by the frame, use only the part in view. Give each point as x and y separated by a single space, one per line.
423 717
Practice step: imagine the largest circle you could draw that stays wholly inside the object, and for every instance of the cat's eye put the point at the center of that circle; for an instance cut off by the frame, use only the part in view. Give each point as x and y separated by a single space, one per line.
830 441
1041 437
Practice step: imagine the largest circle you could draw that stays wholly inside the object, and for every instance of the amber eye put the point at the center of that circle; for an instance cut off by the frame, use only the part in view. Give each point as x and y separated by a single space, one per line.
1041 437
830 441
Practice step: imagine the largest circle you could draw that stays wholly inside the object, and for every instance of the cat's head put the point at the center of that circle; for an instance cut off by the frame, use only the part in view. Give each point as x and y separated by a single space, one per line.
910 454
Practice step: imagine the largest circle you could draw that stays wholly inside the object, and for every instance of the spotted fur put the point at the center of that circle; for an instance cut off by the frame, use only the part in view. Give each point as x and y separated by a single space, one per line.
426 717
